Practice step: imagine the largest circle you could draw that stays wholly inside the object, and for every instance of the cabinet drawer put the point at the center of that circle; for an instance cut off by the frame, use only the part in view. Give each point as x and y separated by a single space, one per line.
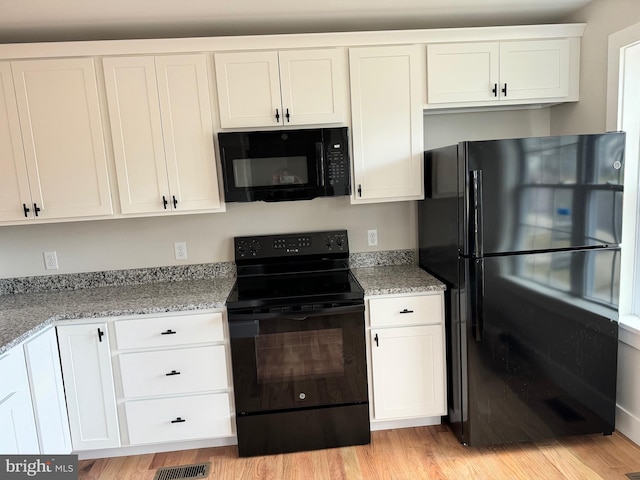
181 418
169 331
410 310
167 372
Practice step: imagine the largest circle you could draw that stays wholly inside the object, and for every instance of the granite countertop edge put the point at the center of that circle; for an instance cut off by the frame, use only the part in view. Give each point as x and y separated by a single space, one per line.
20 320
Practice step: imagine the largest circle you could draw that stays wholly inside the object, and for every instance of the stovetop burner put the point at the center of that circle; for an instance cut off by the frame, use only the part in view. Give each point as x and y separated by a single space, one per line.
293 270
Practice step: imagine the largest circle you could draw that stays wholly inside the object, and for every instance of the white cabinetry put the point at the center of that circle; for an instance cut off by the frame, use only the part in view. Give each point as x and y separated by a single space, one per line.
407 356
52 151
387 85
174 377
17 427
88 383
508 72
47 393
293 87
162 129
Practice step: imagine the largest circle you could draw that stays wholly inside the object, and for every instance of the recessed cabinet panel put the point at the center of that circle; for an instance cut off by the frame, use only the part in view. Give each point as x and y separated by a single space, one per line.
180 418
408 372
409 310
467 72
248 89
386 86
187 126
88 383
177 371
14 182
136 128
535 69
61 124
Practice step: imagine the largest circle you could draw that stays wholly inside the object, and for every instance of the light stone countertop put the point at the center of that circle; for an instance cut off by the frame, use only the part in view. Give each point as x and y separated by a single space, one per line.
25 314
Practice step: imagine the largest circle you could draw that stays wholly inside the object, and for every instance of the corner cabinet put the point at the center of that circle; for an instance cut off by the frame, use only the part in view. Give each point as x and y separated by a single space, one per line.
407 356
509 72
88 382
387 85
52 151
162 129
285 88
17 426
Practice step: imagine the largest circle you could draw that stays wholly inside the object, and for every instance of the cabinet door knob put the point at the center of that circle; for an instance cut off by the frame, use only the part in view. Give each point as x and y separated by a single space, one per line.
175 201
495 89
277 116
504 90
178 420
375 339
164 202
26 209
359 190
100 335
169 332
172 373
287 116
406 311
36 209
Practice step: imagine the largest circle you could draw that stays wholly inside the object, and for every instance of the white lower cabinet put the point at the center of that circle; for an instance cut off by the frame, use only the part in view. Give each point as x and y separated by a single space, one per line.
47 393
407 356
174 379
17 426
89 387
178 418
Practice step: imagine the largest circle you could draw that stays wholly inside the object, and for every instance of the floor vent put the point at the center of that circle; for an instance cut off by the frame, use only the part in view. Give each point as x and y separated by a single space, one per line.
633 476
198 470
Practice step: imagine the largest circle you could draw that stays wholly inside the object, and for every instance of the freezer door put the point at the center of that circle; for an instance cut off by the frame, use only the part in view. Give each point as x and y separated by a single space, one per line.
541 359
541 193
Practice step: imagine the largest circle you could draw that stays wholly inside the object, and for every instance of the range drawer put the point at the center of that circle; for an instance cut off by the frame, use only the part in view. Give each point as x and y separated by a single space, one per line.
409 310
169 331
174 419
167 372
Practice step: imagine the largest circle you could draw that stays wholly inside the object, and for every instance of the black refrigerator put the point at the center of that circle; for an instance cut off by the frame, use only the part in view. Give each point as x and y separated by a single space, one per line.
525 233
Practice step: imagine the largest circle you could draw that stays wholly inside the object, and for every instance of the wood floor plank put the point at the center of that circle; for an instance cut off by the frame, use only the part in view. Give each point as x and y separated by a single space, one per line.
431 453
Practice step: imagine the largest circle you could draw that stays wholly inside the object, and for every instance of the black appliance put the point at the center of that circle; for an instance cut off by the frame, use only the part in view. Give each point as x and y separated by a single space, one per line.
285 164
525 233
296 328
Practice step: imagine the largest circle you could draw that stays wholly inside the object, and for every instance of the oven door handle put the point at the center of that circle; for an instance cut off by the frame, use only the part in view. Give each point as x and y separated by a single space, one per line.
233 317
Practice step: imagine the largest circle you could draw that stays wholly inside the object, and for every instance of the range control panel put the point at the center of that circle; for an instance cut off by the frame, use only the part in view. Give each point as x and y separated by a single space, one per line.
291 245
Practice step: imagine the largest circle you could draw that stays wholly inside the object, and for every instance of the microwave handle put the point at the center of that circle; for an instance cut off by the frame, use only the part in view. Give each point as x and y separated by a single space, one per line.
320 157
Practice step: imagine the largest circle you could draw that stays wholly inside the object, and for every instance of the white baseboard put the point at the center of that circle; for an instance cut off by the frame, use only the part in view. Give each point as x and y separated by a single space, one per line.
628 424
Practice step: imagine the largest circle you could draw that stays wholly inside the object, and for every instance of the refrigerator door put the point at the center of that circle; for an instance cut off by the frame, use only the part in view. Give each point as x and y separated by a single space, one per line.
544 193
536 347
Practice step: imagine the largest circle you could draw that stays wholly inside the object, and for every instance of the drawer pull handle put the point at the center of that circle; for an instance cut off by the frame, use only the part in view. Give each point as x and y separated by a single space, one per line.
169 332
171 373
178 420
406 311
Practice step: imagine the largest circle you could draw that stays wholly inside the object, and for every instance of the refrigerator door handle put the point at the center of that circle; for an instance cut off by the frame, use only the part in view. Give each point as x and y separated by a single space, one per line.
476 213
477 321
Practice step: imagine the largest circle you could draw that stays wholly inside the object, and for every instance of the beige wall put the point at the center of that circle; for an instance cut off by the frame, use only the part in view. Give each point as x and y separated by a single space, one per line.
603 17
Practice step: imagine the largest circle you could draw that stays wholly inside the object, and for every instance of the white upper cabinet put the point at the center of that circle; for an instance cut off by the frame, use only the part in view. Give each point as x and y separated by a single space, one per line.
161 123
295 87
52 149
14 182
509 72
386 110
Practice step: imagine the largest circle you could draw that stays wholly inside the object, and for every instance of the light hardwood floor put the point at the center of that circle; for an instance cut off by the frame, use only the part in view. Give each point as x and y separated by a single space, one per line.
403 454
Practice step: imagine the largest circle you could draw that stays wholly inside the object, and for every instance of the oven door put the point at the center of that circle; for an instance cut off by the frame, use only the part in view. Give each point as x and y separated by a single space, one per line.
272 166
283 361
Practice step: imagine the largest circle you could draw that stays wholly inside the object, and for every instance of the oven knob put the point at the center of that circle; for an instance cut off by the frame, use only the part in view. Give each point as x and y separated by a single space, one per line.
254 247
242 248
302 396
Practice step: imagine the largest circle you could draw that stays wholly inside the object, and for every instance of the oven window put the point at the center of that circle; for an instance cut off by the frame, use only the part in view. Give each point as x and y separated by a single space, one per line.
267 171
299 355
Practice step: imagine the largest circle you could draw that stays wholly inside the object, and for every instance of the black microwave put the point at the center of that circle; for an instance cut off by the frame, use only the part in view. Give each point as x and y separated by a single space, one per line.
285 165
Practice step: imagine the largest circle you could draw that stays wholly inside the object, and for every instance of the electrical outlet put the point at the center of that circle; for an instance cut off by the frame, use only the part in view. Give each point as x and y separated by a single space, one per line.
180 250
372 238
50 260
